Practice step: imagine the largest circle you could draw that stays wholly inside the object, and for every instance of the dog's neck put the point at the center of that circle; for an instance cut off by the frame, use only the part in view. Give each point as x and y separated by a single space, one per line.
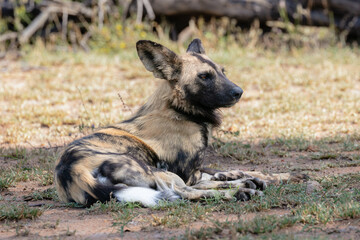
168 98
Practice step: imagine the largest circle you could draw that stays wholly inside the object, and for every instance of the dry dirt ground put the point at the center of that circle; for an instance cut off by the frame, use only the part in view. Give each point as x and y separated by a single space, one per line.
295 124
60 221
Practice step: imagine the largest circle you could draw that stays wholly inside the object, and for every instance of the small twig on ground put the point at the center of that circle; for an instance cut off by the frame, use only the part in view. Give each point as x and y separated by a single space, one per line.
82 101
126 107
30 144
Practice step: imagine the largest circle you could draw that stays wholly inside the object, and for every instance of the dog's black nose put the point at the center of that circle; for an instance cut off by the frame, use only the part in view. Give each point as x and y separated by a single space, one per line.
236 92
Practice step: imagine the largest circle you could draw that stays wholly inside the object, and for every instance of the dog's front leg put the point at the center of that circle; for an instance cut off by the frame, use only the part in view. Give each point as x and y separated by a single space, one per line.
240 194
275 178
212 178
253 183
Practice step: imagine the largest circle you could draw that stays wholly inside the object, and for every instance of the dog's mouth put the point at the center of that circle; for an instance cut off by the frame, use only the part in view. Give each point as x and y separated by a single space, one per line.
232 103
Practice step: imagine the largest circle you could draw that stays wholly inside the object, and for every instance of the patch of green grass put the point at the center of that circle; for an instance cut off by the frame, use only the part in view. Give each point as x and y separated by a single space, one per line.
123 217
324 212
258 225
351 143
282 196
18 212
122 213
354 157
110 206
15 154
288 144
347 164
179 213
44 177
265 224
228 144
238 150
48 194
72 205
22 232
340 184
324 156
6 181
34 164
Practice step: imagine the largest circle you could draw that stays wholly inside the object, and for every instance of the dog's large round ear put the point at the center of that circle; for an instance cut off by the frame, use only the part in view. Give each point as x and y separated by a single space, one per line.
196 47
159 60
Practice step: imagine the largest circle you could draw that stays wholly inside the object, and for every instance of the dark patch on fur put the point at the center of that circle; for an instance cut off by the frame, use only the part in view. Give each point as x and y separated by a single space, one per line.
206 116
95 173
64 170
202 99
212 94
147 51
204 133
176 72
63 173
138 114
203 60
109 169
196 47
162 165
89 200
136 149
185 165
141 152
102 192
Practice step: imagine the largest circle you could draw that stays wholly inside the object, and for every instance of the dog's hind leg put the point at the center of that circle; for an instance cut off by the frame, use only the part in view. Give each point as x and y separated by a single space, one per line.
138 177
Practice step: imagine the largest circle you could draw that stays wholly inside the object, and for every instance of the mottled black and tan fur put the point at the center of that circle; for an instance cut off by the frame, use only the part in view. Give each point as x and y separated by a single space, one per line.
158 153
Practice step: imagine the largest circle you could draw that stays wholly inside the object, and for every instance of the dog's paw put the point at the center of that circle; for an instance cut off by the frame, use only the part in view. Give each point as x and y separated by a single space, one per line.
228 176
255 183
245 194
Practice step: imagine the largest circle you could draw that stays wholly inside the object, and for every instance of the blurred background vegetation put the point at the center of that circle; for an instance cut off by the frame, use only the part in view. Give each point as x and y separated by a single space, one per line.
109 26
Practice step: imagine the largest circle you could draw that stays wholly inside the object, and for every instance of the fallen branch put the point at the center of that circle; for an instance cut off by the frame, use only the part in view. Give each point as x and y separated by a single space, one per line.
343 14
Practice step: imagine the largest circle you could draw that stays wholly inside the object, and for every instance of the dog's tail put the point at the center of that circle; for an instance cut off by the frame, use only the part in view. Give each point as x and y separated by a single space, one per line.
146 196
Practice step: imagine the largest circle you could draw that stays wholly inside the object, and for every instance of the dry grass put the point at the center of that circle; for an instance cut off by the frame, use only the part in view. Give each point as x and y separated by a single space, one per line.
303 93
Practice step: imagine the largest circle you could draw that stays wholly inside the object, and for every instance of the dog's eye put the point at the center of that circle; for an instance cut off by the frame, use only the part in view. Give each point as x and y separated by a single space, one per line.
204 76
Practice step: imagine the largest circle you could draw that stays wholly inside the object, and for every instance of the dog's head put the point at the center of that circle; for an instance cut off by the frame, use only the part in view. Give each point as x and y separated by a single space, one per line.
195 79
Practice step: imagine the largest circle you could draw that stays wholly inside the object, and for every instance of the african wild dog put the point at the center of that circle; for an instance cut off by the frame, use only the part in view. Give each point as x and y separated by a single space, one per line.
157 154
